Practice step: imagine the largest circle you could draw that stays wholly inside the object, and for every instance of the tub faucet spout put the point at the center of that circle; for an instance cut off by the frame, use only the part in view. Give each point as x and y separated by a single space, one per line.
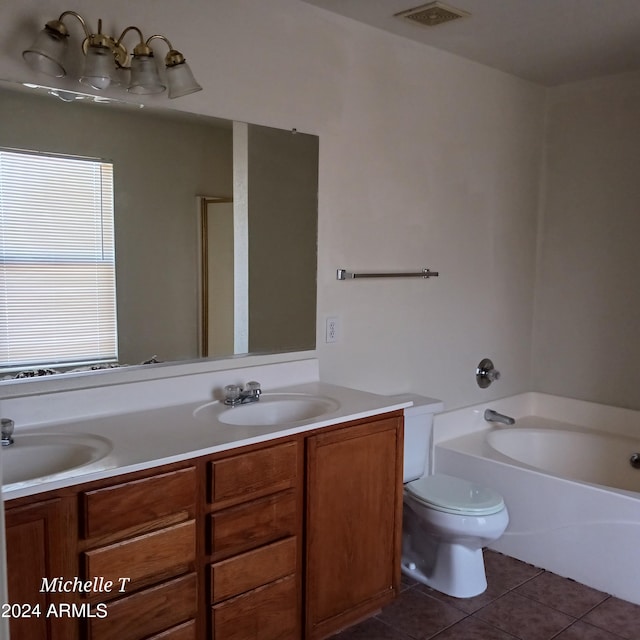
493 416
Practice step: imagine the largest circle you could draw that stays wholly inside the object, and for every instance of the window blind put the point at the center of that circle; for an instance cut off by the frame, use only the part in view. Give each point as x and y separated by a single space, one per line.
57 261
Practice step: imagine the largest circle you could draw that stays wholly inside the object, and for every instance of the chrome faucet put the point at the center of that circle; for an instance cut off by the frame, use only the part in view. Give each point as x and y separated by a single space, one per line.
493 416
235 395
6 428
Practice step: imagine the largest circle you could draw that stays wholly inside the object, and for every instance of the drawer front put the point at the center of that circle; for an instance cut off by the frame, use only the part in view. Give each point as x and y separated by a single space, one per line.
268 613
253 569
133 503
253 524
186 631
151 611
162 553
251 475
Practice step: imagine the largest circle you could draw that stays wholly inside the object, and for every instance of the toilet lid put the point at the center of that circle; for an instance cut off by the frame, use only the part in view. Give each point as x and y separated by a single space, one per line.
454 495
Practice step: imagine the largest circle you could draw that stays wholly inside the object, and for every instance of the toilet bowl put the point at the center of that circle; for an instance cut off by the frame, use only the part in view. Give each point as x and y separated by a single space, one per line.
447 521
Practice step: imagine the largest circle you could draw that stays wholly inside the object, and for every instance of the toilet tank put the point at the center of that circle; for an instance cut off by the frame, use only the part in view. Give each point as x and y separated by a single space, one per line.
418 435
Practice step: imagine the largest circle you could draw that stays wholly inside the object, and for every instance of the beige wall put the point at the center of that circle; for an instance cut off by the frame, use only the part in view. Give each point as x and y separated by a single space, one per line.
220 246
283 231
426 159
587 310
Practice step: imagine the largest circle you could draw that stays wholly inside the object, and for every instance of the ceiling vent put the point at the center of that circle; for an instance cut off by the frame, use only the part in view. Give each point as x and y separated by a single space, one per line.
432 14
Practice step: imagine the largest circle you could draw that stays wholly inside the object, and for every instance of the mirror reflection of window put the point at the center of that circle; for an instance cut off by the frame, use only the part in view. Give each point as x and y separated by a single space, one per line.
162 161
57 263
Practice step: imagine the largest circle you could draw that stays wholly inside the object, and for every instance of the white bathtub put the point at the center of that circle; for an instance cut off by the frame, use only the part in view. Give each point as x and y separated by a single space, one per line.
577 454
564 472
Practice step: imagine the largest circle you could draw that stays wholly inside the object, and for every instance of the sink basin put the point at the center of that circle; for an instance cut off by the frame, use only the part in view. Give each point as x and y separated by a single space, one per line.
271 410
36 456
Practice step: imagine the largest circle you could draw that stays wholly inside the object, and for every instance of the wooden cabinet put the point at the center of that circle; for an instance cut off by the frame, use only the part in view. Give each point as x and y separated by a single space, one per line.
353 523
152 612
240 528
267 613
254 543
141 535
289 539
120 506
36 549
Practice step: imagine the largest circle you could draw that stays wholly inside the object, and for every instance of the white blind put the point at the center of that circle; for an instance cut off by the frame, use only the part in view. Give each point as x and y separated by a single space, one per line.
57 266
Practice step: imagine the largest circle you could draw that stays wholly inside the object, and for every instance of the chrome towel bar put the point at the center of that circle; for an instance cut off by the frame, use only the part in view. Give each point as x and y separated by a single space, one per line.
343 274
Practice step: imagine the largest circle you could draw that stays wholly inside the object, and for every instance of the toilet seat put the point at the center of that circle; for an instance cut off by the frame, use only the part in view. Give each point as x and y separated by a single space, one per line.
455 495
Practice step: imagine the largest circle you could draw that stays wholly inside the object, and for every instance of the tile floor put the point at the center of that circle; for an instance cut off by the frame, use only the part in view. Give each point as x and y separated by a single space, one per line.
522 602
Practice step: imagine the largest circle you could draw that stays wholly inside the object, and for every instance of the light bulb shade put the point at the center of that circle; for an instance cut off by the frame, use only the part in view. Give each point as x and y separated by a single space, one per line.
99 67
144 76
47 53
181 81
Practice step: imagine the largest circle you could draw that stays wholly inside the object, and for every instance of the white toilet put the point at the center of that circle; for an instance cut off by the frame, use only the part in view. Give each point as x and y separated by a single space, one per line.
446 520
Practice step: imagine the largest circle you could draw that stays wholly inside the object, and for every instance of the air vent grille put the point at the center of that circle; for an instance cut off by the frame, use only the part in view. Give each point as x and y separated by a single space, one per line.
432 14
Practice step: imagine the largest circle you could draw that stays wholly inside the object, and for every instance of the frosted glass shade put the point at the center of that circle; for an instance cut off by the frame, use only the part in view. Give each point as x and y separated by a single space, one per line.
47 53
144 76
99 67
181 81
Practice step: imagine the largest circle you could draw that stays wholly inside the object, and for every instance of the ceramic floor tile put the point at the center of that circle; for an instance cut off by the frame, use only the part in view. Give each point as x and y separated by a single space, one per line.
418 615
406 582
473 629
524 618
372 629
522 602
565 595
583 631
468 605
507 571
618 617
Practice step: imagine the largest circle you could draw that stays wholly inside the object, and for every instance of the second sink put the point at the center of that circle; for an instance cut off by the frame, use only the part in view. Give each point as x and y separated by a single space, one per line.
272 409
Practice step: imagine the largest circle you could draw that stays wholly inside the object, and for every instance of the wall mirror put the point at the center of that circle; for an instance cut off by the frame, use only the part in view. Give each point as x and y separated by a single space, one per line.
215 223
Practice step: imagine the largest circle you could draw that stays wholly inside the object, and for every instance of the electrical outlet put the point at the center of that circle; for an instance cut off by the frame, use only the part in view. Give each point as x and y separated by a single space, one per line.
331 330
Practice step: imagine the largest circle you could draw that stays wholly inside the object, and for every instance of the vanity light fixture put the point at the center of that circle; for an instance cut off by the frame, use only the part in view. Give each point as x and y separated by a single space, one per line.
105 55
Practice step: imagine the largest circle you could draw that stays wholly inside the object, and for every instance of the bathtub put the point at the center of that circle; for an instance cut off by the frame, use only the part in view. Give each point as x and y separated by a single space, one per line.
565 474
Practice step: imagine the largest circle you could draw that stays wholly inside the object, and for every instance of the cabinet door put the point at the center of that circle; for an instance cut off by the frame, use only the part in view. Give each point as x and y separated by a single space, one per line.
354 516
36 550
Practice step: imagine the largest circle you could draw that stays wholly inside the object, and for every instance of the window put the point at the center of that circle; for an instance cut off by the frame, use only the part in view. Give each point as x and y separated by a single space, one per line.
57 263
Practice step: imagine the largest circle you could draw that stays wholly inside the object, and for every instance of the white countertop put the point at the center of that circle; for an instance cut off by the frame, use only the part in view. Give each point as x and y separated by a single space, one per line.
153 437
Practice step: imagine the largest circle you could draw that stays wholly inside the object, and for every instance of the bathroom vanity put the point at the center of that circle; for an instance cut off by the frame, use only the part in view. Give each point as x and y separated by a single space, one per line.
292 533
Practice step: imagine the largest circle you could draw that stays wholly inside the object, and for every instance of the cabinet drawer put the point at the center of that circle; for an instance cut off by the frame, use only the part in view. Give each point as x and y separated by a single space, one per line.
255 474
161 553
268 613
133 503
186 631
151 611
253 569
253 524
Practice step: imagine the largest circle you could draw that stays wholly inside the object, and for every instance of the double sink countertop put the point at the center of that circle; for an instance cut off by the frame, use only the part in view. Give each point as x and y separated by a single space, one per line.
154 437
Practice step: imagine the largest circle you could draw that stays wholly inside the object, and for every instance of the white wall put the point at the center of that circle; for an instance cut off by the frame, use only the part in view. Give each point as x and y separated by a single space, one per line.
426 159
587 306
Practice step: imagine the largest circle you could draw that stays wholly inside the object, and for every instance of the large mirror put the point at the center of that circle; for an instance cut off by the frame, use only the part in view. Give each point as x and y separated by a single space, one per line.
215 223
